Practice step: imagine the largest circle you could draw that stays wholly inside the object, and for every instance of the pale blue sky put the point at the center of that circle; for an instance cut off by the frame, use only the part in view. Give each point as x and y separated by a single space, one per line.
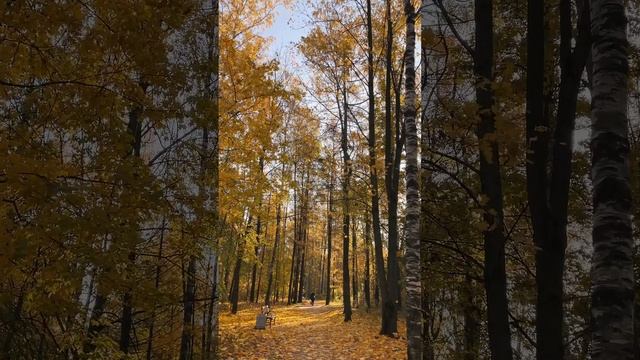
285 31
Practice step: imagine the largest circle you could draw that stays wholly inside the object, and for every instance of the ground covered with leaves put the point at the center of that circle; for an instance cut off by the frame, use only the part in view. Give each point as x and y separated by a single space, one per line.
308 332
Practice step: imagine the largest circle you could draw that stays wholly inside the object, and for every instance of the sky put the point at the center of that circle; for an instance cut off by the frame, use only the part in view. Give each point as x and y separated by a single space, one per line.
285 31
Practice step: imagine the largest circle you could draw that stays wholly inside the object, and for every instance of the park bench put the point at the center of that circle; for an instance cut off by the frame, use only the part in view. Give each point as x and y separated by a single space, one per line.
265 317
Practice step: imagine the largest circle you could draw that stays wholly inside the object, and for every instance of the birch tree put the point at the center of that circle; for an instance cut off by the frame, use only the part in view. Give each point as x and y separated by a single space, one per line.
612 296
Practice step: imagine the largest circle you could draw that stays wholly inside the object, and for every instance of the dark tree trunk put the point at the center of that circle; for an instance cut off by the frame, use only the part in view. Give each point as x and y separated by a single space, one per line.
354 262
548 194
329 239
346 219
156 286
388 315
301 278
491 186
263 251
272 264
471 314
186 343
212 320
367 261
254 269
425 256
134 127
390 289
254 272
235 282
294 253
393 280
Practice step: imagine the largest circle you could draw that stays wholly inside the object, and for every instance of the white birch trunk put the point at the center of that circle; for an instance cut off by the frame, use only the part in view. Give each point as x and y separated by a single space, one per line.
412 256
612 265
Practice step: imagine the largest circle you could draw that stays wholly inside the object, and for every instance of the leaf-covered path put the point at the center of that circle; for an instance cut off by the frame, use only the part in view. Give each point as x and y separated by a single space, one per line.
306 332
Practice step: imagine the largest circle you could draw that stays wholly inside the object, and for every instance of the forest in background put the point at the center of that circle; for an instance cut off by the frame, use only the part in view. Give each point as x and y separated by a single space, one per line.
464 165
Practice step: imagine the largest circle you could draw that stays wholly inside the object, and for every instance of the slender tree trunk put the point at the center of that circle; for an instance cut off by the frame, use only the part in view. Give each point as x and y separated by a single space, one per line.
346 220
291 273
186 348
304 254
235 282
263 251
393 280
134 127
548 194
388 315
367 261
279 280
491 186
212 314
612 291
329 239
427 345
354 262
412 252
254 271
295 243
156 286
267 297
471 314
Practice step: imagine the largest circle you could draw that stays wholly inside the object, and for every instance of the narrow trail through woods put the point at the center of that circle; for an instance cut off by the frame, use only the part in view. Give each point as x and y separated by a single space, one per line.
308 332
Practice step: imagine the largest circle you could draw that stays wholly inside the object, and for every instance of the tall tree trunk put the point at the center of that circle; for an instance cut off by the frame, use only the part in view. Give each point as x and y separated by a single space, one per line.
212 314
329 239
294 251
188 300
367 261
612 291
276 242
346 175
471 314
491 186
291 273
548 194
134 127
263 251
235 282
389 318
390 290
427 345
354 262
254 269
254 272
304 233
537 180
388 315
412 252
156 286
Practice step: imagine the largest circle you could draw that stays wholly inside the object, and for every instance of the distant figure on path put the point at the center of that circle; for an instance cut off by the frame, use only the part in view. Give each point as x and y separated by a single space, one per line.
312 297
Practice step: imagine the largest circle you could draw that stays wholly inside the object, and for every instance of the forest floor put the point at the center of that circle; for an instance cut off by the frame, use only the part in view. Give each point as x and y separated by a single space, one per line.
303 331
